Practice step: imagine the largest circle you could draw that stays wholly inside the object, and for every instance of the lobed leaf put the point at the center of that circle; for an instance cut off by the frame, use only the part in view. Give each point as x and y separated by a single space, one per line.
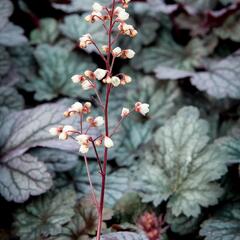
183 166
57 66
224 225
46 215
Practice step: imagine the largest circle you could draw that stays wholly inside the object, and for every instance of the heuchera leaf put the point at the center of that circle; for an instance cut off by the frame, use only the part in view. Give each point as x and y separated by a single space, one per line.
221 79
29 128
118 182
224 225
134 137
5 62
230 29
84 221
46 33
75 26
57 65
199 5
162 97
10 98
6 10
124 236
45 216
56 160
183 166
23 176
77 5
168 53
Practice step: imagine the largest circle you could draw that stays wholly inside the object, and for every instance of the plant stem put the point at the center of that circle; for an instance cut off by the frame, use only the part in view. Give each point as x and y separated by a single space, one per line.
108 90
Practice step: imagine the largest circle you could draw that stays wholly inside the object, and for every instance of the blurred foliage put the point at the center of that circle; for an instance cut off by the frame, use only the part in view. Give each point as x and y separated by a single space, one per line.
180 161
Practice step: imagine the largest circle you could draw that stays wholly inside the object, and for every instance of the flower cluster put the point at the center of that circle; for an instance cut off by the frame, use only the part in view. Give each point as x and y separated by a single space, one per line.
152 225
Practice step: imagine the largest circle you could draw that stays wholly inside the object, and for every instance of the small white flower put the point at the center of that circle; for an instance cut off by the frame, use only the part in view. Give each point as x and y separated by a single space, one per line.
68 129
97 7
125 112
54 131
86 85
84 148
85 40
100 73
143 108
77 78
98 121
82 138
115 81
122 14
108 143
76 107
116 52
127 29
129 53
63 136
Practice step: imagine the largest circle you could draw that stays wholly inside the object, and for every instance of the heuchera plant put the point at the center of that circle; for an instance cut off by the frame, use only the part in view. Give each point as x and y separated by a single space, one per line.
113 19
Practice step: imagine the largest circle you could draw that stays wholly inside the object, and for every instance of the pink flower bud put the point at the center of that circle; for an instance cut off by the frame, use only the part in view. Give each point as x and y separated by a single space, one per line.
108 143
125 112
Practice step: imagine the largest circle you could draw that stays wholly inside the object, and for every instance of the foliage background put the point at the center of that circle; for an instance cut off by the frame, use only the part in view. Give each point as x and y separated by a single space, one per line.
181 162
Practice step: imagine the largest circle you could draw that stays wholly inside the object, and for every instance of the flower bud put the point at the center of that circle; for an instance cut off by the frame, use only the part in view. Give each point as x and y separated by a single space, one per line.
98 121
54 131
115 81
84 148
97 7
100 73
143 108
87 107
63 136
108 143
77 78
125 112
121 13
90 74
116 52
68 129
85 40
128 53
86 85
76 107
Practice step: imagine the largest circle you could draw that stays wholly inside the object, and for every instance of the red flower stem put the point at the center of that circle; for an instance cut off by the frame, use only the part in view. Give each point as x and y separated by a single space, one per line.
81 121
108 90
99 51
90 182
98 159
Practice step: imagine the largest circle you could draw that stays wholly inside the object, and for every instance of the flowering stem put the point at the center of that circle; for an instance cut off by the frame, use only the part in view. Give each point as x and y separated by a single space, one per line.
90 182
98 159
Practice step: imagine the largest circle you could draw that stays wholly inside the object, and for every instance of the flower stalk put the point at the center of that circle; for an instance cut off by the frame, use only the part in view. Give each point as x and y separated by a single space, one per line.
110 16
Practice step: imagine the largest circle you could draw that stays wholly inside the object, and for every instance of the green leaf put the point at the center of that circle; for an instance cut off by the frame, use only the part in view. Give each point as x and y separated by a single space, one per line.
118 182
57 65
124 236
45 216
77 5
224 225
10 98
46 33
75 26
56 160
182 225
29 128
231 146
230 28
134 137
11 35
84 222
129 207
200 5
23 176
5 62
6 10
183 166
168 53
221 79
162 97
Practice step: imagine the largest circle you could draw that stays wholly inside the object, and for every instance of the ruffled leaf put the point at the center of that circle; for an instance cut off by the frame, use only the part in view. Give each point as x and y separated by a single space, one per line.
57 66
45 216
183 166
